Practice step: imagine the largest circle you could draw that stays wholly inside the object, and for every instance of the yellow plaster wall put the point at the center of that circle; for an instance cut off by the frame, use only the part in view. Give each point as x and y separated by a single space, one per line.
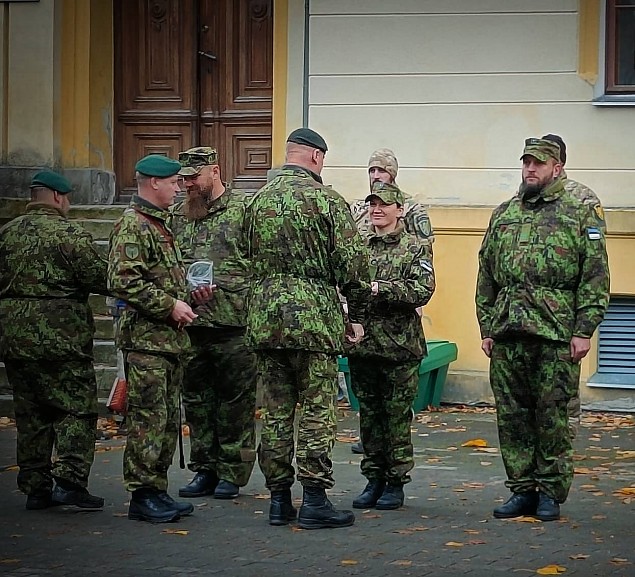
87 84
280 62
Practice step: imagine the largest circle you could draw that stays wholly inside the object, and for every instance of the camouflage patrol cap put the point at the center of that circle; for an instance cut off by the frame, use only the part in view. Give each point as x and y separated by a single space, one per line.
194 159
385 159
541 149
387 193
51 180
157 165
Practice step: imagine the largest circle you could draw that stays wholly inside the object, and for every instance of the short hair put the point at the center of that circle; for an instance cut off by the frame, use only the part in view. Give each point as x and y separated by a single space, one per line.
563 147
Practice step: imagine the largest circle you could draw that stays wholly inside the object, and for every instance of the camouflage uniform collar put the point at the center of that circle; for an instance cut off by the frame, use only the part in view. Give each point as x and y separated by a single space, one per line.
294 168
146 207
549 194
220 202
43 207
390 237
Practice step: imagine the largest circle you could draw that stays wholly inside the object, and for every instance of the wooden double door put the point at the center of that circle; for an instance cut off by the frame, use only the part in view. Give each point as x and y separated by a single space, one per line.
194 73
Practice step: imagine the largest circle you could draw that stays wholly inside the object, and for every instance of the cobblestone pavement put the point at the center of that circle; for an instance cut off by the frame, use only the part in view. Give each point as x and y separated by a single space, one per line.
445 527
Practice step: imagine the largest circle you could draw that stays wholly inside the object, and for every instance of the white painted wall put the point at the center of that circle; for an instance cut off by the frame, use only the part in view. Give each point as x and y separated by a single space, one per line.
454 87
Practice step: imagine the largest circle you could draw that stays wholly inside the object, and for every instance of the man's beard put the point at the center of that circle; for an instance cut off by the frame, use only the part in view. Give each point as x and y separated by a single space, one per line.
532 191
197 203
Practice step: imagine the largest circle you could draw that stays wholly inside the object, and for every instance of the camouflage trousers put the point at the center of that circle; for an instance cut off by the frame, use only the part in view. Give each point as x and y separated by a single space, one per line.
219 394
385 391
291 378
153 419
533 380
55 407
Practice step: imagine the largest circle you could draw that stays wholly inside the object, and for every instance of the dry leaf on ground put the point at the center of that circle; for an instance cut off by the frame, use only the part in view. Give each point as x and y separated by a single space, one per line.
524 519
175 532
619 561
475 443
454 544
551 570
579 556
402 563
348 562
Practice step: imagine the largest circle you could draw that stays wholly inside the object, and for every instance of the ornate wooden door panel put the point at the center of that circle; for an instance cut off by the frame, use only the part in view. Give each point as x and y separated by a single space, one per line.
190 72
237 87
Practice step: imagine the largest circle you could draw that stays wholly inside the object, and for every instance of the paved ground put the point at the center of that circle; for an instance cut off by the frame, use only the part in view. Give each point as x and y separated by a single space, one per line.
445 528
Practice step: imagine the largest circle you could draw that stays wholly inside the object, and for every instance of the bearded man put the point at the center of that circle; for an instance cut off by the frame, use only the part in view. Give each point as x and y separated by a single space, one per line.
542 290
219 385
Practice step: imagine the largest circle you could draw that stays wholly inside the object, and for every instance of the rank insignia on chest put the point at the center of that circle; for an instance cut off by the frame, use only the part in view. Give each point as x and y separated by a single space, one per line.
525 232
593 233
131 251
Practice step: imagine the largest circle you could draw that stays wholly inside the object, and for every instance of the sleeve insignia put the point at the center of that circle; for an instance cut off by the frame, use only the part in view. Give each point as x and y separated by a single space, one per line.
599 212
593 233
131 251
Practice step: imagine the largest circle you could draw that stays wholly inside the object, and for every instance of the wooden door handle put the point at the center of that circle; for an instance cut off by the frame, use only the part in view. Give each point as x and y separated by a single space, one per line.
207 55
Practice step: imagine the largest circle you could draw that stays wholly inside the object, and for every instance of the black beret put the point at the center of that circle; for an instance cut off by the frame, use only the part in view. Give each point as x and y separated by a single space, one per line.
158 165
308 137
52 180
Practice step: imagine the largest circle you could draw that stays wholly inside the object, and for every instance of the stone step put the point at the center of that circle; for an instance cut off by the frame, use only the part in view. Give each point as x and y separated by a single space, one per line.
99 228
104 328
98 305
105 352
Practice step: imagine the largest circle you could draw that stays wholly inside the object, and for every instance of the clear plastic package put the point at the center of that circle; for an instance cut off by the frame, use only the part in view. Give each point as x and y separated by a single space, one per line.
200 273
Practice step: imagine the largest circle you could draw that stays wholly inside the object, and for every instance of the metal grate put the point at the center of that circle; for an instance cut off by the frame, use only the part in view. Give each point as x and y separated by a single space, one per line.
616 353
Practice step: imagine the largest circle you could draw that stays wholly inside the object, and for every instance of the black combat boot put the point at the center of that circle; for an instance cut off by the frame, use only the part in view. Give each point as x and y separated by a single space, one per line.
357 448
317 512
65 493
367 499
40 501
517 505
203 483
147 505
226 490
184 509
392 498
548 508
281 510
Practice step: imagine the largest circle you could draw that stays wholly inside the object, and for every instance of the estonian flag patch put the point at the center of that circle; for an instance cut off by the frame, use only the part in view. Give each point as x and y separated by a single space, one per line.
594 233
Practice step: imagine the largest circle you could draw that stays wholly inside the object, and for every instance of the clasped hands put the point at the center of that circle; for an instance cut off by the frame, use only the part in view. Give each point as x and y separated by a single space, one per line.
182 313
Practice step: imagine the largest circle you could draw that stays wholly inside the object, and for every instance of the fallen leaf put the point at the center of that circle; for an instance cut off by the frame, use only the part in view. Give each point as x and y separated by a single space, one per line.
475 443
619 561
476 542
486 463
9 561
625 491
487 449
598 517
402 563
551 570
524 519
579 556
175 531
454 544
471 531
474 485
11 468
625 454
348 562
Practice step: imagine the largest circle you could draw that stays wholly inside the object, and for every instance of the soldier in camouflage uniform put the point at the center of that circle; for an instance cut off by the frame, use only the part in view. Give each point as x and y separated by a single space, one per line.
542 290
49 266
220 375
304 246
146 271
385 365
383 167
587 196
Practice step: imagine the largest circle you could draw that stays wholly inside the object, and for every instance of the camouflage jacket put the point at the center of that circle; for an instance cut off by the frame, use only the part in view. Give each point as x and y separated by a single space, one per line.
586 195
220 238
145 270
401 264
304 245
543 269
48 268
415 219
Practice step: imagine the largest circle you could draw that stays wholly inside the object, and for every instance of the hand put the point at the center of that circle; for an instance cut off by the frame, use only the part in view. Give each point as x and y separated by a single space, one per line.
579 347
487 346
354 333
203 293
182 314
374 288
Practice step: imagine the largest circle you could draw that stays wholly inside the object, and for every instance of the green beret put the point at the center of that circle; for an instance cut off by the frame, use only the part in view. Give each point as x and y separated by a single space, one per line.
158 166
308 137
194 159
387 193
541 149
52 180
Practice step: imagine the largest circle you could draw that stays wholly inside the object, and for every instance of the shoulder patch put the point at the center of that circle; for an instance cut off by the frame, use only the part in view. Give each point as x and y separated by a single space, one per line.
593 233
599 212
131 250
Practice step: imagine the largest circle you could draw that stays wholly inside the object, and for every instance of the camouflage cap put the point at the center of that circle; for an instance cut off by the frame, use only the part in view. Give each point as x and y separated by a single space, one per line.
541 149
385 159
387 193
194 159
51 180
157 165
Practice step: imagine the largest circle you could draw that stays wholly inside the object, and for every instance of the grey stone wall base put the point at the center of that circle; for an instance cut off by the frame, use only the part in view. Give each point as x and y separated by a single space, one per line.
90 185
